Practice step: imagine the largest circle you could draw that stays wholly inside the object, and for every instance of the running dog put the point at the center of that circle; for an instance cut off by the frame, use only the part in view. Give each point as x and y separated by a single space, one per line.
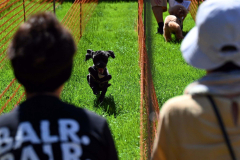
98 76
173 23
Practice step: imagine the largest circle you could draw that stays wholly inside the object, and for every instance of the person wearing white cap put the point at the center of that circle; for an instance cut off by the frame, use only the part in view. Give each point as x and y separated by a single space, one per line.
204 123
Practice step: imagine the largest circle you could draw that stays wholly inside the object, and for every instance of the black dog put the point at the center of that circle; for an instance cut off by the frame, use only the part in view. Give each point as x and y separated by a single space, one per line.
98 76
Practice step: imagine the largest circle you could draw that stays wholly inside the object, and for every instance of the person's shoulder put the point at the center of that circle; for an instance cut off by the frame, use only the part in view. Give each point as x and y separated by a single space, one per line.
75 109
3 118
82 114
93 116
184 105
9 119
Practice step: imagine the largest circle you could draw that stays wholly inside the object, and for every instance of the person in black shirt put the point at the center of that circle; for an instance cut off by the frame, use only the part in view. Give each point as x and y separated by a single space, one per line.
43 127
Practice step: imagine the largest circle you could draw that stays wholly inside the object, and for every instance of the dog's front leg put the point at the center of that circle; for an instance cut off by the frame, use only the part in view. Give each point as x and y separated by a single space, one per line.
94 74
106 78
93 84
104 90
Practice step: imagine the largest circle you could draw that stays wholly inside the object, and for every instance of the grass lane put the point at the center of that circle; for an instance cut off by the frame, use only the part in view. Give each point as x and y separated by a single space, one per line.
171 74
112 27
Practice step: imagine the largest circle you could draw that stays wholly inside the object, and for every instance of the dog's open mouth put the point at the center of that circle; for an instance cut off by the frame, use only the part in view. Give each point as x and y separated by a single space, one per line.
100 70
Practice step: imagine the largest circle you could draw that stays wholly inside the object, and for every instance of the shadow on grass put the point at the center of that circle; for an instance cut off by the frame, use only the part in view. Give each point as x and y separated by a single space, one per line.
174 39
108 105
185 33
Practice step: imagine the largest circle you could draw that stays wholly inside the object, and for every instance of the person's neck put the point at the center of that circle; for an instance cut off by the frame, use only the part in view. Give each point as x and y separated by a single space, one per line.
30 95
208 72
227 96
55 93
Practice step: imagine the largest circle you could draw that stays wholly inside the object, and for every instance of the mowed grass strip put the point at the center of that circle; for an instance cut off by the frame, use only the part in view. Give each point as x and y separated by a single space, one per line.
112 26
171 74
62 10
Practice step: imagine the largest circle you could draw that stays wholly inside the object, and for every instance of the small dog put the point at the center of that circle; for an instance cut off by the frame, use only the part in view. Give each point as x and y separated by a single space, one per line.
173 22
98 76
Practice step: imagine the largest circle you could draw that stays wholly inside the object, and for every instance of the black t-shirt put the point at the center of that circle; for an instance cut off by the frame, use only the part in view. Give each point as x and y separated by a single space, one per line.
45 128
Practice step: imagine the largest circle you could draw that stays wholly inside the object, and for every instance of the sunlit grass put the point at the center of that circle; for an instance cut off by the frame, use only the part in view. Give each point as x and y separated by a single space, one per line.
171 74
112 27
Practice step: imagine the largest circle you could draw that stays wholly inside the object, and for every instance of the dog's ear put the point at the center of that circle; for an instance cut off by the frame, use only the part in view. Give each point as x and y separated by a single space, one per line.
111 53
89 54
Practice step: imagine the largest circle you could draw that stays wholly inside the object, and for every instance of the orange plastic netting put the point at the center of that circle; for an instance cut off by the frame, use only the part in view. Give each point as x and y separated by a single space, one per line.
14 13
149 105
3 3
194 7
149 111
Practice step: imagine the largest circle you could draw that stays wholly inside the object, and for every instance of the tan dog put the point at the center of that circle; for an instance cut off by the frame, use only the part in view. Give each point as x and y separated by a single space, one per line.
173 22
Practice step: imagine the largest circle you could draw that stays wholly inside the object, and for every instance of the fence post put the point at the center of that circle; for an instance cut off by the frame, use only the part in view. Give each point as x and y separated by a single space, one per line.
138 18
54 10
80 19
24 14
145 13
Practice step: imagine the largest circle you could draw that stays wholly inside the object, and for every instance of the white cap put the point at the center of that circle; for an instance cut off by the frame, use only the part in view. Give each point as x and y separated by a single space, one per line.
217 26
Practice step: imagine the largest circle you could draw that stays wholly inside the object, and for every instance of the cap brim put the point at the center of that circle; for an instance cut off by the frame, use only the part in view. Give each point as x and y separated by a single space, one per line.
193 55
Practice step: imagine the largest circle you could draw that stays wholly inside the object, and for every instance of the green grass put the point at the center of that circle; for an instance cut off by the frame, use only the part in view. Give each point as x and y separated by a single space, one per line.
171 74
62 10
112 27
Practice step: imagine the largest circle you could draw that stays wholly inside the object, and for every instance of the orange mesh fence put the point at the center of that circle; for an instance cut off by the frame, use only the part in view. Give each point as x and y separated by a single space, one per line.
10 96
78 16
12 15
149 105
194 7
149 111
15 12
3 3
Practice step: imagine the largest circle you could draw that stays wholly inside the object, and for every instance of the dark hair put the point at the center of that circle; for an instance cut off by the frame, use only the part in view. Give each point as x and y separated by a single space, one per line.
227 67
41 53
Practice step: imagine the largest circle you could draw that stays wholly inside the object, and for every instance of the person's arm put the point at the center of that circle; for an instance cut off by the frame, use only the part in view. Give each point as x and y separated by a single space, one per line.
171 3
111 149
